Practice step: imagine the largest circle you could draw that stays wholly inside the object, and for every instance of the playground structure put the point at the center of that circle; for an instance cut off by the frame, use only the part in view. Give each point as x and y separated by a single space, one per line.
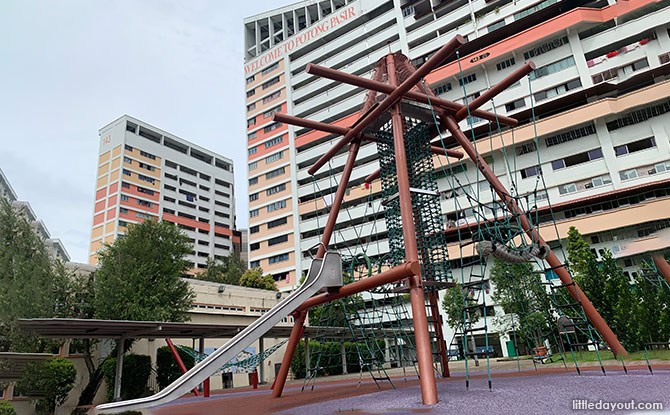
402 116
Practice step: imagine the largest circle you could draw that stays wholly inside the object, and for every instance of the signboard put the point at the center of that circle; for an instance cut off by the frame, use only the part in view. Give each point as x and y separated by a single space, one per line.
304 37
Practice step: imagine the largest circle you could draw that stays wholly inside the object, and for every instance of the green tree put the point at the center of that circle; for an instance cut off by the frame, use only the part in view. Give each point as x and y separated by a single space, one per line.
523 298
254 278
228 270
139 277
52 379
608 289
652 301
6 408
453 303
29 278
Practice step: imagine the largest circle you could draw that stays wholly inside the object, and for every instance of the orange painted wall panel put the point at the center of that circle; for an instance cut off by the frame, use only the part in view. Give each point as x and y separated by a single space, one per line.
132 203
116 163
132 190
104 157
111 214
99 206
109 228
101 182
97 232
113 187
185 221
261 151
100 194
103 169
98 219
116 151
112 201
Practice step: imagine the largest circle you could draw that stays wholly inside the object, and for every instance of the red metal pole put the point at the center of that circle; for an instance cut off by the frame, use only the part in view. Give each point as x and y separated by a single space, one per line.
424 351
206 387
662 266
293 341
443 104
389 276
180 363
576 292
339 196
391 99
495 90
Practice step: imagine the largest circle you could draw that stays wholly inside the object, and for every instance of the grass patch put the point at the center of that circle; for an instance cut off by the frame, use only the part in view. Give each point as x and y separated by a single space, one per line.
590 356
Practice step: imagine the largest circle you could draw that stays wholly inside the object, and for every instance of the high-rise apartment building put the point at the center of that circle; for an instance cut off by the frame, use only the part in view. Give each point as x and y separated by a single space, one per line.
54 245
146 173
598 101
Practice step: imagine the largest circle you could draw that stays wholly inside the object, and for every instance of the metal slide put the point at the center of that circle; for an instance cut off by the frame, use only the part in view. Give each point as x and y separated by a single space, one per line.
323 273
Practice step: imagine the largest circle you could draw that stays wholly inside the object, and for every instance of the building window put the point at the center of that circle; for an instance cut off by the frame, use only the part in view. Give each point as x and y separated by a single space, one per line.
275 173
570 135
254 264
251 121
126 172
251 106
467 79
620 71
147 167
628 174
251 136
125 185
531 172
274 141
526 148
269 113
147 155
634 146
278 240
145 203
251 79
253 213
277 222
281 204
511 106
271 97
552 68
123 211
252 150
546 47
270 68
253 165
254 246
275 189
124 198
272 127
254 229
271 82
253 196
495 26
127 160
253 181
274 157
557 90
146 179
145 191
251 93
441 89
567 188
505 64
278 258
576 159
638 116
127 147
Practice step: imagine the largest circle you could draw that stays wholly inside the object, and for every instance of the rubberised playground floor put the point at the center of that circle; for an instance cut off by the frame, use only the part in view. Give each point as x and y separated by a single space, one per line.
549 390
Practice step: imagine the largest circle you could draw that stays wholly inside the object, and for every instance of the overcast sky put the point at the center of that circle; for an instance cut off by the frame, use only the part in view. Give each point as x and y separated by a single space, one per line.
68 68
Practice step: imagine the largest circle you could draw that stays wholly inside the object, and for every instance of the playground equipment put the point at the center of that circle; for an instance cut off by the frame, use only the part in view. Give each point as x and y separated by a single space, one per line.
402 116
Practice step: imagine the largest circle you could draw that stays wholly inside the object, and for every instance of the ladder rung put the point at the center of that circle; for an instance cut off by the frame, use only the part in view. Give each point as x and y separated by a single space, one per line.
554 286
475 284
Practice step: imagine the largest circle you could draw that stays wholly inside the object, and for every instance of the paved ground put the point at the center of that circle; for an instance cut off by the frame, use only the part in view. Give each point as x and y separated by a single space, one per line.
548 390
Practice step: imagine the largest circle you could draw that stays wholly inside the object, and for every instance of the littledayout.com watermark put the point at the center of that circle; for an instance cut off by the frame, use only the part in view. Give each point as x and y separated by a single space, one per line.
600 405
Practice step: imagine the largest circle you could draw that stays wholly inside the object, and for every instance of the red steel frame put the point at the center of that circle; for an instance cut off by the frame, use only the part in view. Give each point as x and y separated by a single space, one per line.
449 113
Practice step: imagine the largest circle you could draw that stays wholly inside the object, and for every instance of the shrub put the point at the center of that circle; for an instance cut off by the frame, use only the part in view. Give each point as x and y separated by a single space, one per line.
6 408
167 367
51 380
134 378
330 361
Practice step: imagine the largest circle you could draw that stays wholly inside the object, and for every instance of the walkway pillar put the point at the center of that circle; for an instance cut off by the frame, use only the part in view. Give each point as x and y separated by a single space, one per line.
119 369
